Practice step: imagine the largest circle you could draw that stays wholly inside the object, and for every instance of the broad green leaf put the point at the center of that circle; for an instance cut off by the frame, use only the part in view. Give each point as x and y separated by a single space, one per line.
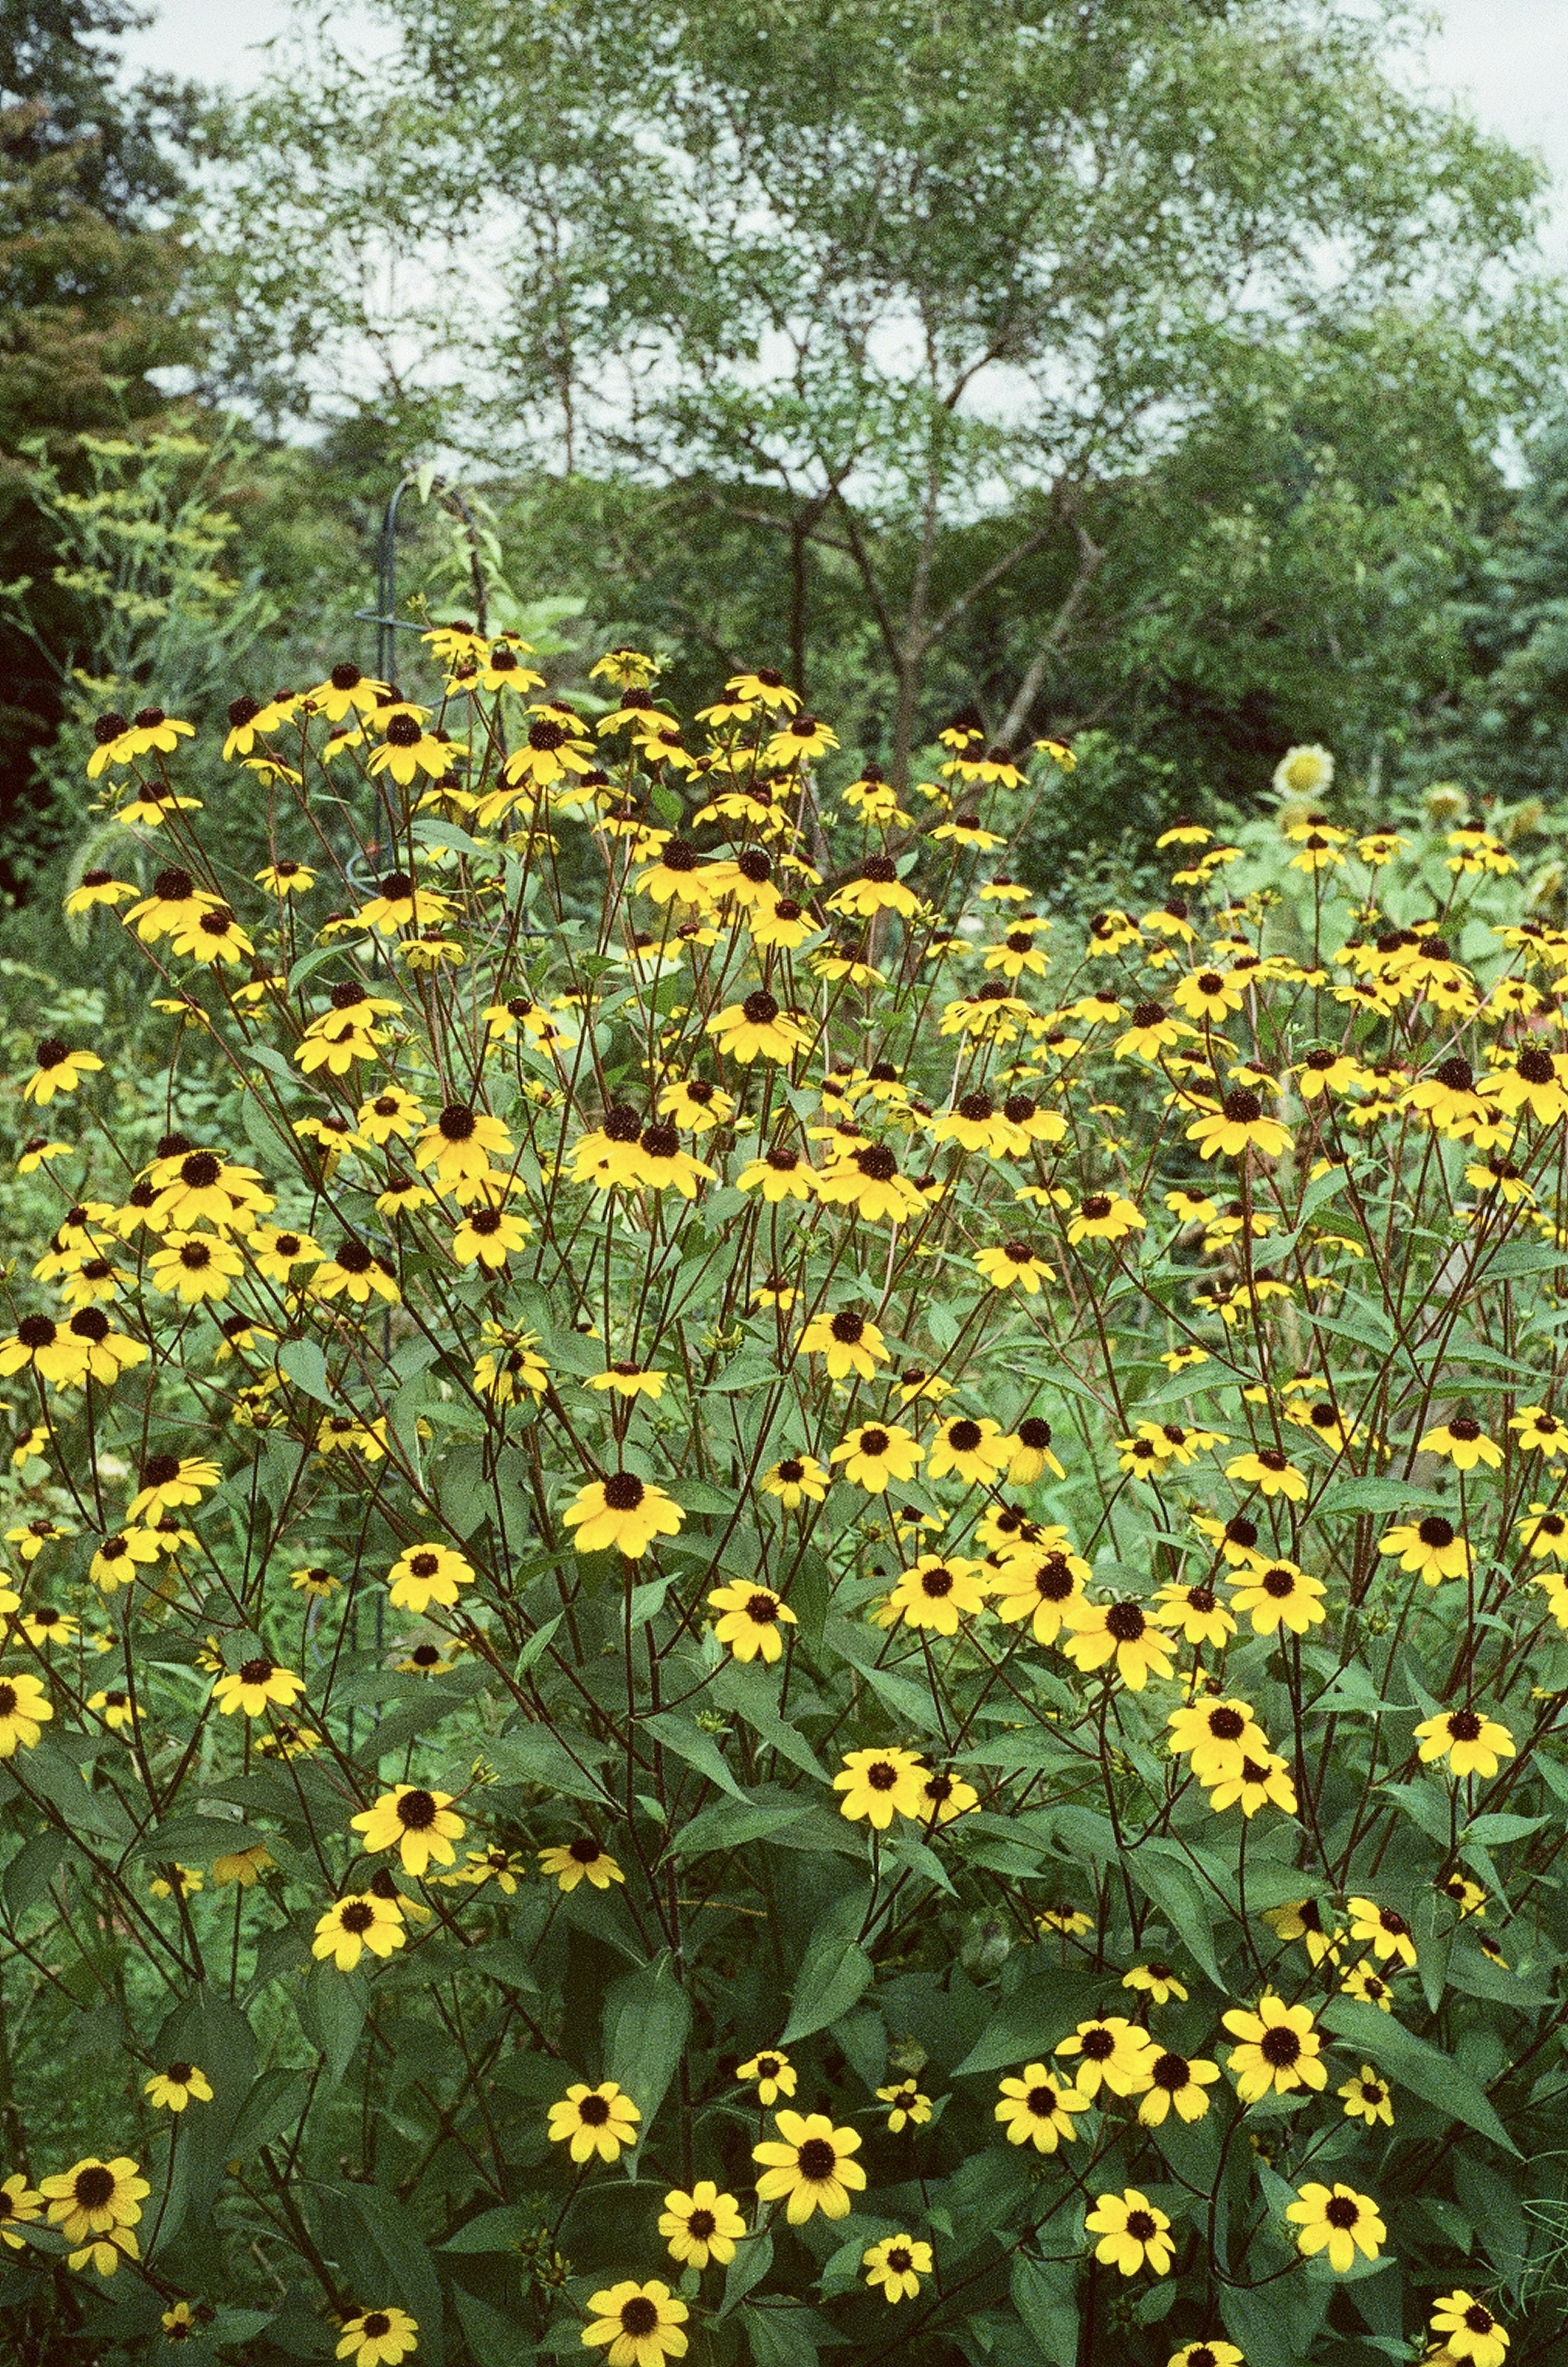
648 2017
1410 2062
834 1975
698 1749
307 1367
1044 2008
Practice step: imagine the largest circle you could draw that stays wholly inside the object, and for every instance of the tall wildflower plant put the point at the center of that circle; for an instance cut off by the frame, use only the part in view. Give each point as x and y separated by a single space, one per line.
751 1608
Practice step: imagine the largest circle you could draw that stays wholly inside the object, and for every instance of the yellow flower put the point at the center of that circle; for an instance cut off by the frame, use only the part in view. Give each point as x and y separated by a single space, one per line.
907 2107
1267 1470
255 1684
773 2072
641 2324
1370 1987
809 2163
1462 1443
57 1070
936 1592
595 2121
179 2085
1179 2082
896 2265
1431 1545
1278 1593
426 1574
1280 2049
1037 2110
1132 2233
851 1343
1255 1781
1042 1584
1471 1744
879 1785
627 1380
701 2226
1197 1613
976 1450
420 1825
1104 1216
1384 1927
750 1620
363 1919
1539 1433
757 1029
1122 1631
1115 2054
1337 2220
24 1710
581 1860
1473 2333
379 2338
1160 1983
96 2204
19 2206
875 1453
622 1514
194 1267
1015 1261
1366 2098
797 1479
945 1796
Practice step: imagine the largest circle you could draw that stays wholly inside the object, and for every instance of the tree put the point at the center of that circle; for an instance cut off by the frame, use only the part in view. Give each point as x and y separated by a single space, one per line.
904 287
92 263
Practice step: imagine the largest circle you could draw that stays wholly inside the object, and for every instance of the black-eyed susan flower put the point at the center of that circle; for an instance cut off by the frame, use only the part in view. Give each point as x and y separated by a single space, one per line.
1368 1988
875 1454
1367 2098
1540 1431
24 1709
848 1341
751 1620
379 2338
701 2226
1104 1216
977 1452
1041 1584
896 2265
511 1367
1280 2049
95 2206
773 2072
424 1574
906 2107
879 1785
1032 1453
1070 1921
1119 1631
1277 1593
1019 1262
1337 2220
780 1174
1472 1744
57 1070
419 1825
1432 1546
459 1147
1177 2084
937 1593
641 2324
1463 1442
20 2205
177 2085
581 1860
594 2121
758 1028
628 1380
1210 2352
255 1685
795 1481
621 1514
944 1796
1385 1928
244 1866
1114 2053
1260 1779
1196 1614
1472 2332
196 1266
1159 1982
810 2167
1036 2108
1132 2233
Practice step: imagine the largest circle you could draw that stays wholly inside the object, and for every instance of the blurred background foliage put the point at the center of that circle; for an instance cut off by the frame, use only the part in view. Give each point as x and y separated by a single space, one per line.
1176 379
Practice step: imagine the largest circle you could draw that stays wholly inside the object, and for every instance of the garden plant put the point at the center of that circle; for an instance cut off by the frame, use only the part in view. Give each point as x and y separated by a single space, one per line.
756 1606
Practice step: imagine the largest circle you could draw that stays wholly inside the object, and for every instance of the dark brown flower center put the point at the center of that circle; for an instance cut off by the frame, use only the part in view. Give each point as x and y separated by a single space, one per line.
818 2160
94 2187
624 1492
1281 2046
1125 1622
416 1811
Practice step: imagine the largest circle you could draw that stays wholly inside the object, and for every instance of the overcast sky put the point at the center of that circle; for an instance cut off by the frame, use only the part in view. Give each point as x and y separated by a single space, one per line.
1510 57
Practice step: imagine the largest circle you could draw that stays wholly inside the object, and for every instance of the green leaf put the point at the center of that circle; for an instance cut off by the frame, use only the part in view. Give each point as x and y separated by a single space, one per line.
492 2231
730 1824
333 2006
1044 2008
754 2258
834 1975
783 2336
196 1840
1413 2063
306 1368
1181 1899
33 1868
1274 2324
409 2271
697 1749
273 2107
1043 2300
493 2337
647 2018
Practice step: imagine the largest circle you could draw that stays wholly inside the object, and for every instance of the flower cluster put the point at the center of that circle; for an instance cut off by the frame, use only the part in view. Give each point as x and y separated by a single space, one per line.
701 1491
